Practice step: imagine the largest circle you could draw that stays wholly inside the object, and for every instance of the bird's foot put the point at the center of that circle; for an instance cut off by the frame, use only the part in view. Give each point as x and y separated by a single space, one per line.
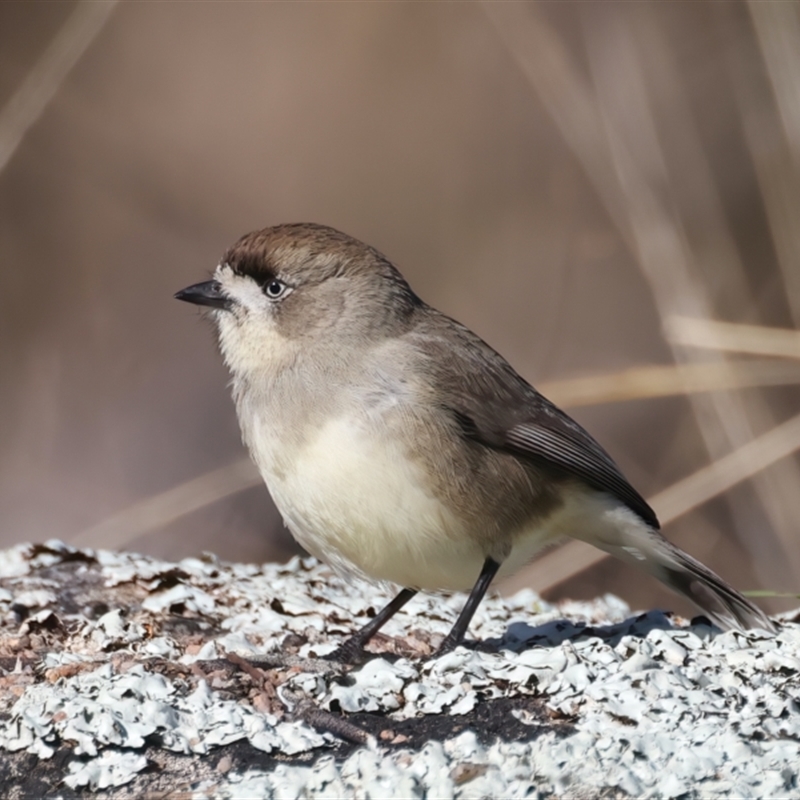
449 643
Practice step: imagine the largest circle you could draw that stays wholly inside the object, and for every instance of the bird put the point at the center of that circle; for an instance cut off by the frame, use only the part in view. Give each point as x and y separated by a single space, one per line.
400 447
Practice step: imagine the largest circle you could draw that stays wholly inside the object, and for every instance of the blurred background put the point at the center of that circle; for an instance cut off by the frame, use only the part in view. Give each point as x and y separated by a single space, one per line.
606 192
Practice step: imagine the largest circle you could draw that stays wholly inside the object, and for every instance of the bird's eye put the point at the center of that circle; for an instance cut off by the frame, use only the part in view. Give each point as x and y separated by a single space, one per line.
275 289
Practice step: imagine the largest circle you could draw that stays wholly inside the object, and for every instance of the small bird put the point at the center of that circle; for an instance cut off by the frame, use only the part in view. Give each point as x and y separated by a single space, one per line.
400 447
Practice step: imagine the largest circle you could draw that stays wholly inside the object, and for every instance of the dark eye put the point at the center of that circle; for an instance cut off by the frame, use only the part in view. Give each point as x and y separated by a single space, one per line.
275 289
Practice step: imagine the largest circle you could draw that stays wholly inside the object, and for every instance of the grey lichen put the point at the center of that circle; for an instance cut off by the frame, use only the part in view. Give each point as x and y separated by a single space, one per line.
110 659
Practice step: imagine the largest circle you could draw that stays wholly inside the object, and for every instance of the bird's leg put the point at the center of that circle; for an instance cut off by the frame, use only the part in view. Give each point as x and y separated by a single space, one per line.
453 639
352 649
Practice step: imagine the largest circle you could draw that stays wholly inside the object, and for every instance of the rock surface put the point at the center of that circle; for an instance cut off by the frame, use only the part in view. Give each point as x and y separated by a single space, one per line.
122 676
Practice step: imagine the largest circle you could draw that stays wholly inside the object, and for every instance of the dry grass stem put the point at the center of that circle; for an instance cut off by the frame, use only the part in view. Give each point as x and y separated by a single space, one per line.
545 62
733 337
716 478
774 138
639 383
39 87
158 511
777 27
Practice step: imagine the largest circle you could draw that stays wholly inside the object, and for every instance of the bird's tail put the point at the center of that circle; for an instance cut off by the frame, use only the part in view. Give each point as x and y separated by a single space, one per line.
635 542
718 599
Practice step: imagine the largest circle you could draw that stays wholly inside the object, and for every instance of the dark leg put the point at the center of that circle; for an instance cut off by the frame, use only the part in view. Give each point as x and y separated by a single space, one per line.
352 648
453 639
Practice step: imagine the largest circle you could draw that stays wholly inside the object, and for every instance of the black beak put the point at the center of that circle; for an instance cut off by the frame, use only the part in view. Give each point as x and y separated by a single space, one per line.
208 293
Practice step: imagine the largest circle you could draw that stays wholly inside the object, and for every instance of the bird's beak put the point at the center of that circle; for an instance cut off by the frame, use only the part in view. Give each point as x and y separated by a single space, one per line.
208 293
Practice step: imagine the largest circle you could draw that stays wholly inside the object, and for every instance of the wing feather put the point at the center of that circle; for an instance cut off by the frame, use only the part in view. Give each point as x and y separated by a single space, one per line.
496 407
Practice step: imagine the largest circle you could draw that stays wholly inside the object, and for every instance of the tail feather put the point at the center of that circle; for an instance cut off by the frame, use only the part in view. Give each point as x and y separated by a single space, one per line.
723 604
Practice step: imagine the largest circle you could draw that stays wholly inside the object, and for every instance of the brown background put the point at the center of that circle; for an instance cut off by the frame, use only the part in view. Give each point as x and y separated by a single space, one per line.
560 177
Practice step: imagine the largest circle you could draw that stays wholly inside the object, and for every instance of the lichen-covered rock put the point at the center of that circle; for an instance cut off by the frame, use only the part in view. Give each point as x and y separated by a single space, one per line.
125 675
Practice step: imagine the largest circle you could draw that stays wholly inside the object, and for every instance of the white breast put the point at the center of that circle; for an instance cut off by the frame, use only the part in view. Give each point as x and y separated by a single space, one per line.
356 499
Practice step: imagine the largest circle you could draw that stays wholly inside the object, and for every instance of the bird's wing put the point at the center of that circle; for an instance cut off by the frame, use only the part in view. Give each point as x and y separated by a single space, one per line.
494 406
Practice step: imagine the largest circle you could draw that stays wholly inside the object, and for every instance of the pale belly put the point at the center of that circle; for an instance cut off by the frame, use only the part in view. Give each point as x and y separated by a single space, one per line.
362 505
